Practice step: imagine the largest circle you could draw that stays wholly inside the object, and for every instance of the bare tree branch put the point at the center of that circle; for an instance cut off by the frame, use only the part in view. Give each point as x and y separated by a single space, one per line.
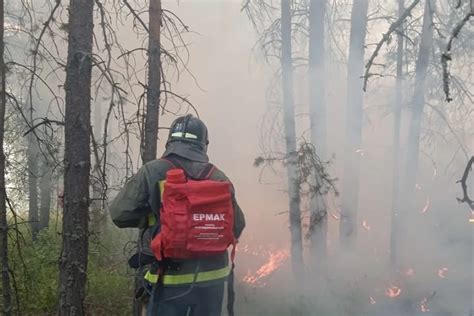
466 199
393 27
446 55
43 122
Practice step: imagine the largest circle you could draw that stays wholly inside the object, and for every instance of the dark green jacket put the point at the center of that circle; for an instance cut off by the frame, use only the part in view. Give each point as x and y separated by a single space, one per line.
140 197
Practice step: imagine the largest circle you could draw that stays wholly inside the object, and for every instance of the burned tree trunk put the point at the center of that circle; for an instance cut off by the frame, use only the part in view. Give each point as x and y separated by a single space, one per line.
32 162
290 139
397 111
154 83
317 104
73 261
6 288
150 138
418 102
354 118
45 193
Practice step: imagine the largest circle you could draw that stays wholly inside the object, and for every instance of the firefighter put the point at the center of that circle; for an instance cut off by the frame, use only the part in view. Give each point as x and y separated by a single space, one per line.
176 287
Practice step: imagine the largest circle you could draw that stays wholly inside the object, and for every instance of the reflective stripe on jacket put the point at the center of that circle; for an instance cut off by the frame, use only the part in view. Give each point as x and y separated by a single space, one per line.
189 278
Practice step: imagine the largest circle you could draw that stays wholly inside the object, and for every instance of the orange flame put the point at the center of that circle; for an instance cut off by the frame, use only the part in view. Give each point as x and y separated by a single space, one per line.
442 273
274 262
365 225
410 272
393 291
371 300
423 307
426 207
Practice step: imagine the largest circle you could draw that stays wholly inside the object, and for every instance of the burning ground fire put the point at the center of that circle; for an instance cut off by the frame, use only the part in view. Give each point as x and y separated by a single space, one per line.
423 306
274 261
442 273
393 291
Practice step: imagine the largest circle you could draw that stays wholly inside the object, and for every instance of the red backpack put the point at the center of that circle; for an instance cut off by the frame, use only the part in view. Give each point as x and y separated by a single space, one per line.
196 217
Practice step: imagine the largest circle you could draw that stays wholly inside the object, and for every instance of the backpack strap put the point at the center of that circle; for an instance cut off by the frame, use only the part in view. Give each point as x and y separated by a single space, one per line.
203 175
207 171
173 165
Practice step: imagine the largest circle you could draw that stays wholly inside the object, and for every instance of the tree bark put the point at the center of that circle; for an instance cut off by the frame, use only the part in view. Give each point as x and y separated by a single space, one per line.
32 162
290 139
98 215
154 83
149 152
45 194
397 111
73 261
418 103
317 103
6 288
354 119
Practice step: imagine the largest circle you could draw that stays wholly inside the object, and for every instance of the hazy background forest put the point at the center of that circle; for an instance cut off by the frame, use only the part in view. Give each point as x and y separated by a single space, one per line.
303 99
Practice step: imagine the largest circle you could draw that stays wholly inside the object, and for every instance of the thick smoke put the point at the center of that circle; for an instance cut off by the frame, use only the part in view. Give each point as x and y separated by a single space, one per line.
230 93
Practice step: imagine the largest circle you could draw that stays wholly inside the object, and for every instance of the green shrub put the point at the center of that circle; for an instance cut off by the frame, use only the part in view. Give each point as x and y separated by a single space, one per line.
35 270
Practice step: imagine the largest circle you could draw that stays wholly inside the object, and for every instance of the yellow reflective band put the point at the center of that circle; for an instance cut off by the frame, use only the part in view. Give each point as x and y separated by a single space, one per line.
162 188
151 220
201 277
187 135
150 277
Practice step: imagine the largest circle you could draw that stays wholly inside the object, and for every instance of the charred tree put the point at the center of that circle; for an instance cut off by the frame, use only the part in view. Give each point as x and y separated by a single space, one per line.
354 119
73 261
290 139
317 103
45 188
6 288
397 111
150 137
418 102
32 162
154 83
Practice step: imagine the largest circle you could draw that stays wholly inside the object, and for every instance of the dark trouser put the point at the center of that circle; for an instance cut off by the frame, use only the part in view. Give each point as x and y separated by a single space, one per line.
184 300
